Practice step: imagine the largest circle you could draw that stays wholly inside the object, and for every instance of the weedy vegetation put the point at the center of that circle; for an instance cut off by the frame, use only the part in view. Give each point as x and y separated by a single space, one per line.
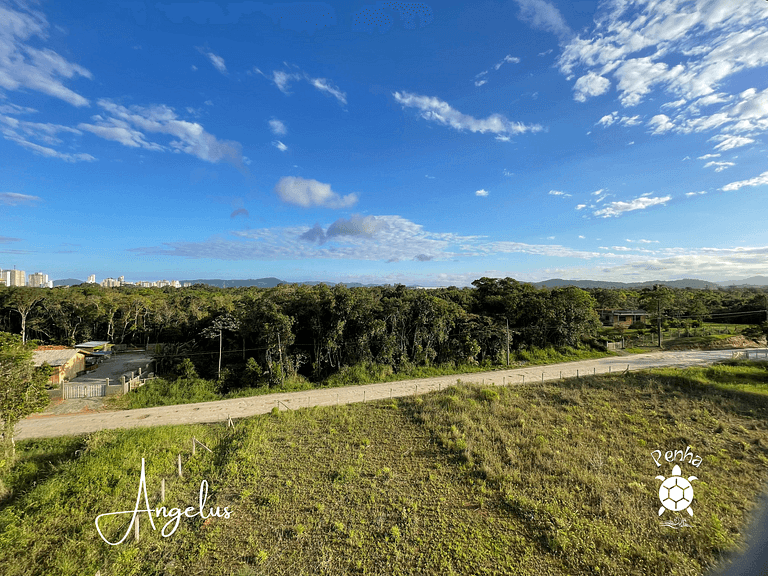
554 478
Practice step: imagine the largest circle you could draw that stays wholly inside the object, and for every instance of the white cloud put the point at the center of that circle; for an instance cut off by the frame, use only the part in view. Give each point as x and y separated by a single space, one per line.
756 181
558 193
305 193
615 209
16 199
217 61
279 145
283 80
720 166
128 126
436 110
707 156
580 206
679 52
660 123
507 58
608 119
51 153
20 131
277 127
23 66
590 84
481 193
695 193
325 86
544 16
480 82
581 237
731 142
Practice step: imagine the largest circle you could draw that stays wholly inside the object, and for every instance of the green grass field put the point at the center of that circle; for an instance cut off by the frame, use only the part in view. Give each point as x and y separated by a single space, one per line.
540 479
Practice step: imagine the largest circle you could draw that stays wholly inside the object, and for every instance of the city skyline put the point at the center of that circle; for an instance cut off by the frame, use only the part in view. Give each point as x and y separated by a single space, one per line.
385 142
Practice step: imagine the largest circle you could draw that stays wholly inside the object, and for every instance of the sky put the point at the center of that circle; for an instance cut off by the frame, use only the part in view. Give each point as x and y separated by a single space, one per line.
385 142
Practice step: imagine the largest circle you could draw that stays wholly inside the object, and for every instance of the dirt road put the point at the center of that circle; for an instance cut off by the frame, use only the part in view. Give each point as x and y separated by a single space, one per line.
39 426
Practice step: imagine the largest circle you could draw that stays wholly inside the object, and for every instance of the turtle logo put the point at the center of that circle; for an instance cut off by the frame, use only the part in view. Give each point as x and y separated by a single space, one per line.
676 492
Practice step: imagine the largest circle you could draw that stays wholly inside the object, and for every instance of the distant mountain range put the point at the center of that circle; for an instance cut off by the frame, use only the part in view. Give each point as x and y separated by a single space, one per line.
554 283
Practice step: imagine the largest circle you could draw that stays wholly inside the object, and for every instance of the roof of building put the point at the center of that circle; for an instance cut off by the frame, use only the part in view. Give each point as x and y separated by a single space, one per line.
59 356
627 312
92 344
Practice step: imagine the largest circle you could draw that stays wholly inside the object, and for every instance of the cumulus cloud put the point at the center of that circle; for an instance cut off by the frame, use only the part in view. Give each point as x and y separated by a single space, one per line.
23 66
558 193
481 192
277 127
615 209
589 85
306 193
16 199
756 181
435 110
129 125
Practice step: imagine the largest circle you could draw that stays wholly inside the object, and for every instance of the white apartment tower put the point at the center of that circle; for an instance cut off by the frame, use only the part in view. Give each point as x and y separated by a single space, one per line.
38 280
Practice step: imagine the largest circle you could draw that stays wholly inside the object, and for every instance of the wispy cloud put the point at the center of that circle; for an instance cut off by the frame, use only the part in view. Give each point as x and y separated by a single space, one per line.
283 81
479 80
719 166
632 43
436 110
277 127
306 193
544 16
23 66
239 212
756 181
558 193
15 199
129 125
615 209
279 145
217 61
8 239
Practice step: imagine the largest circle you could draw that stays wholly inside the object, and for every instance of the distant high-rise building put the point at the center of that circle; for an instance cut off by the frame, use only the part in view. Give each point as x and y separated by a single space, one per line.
38 280
121 279
110 283
92 279
15 277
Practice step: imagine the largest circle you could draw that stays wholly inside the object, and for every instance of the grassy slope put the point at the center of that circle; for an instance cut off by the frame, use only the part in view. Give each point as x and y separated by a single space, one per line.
541 479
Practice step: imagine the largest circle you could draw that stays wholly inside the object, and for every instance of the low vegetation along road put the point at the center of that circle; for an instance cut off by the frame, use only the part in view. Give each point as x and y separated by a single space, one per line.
53 425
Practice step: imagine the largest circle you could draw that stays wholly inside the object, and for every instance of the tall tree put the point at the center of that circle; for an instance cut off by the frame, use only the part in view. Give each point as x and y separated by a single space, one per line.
22 300
22 386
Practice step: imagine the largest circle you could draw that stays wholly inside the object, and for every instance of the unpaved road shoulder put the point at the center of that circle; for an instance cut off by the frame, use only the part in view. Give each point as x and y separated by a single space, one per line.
53 425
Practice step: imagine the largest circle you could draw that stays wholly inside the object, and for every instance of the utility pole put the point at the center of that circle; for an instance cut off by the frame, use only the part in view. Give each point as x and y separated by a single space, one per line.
220 338
507 341
658 313
280 349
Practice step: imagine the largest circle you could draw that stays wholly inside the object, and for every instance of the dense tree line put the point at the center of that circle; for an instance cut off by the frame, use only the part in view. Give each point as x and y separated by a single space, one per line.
316 330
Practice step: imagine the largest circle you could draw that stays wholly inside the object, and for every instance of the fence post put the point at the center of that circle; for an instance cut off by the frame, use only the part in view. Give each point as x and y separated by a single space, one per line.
179 466
122 381
136 528
193 445
162 490
107 381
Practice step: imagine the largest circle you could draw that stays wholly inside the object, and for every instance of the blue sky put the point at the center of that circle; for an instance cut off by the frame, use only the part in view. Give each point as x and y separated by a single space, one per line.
385 142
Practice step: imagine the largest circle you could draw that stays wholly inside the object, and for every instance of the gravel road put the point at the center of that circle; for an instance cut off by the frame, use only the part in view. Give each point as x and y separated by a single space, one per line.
49 425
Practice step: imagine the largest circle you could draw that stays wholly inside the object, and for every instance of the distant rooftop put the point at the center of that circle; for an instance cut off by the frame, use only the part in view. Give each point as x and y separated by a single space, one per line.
92 344
57 357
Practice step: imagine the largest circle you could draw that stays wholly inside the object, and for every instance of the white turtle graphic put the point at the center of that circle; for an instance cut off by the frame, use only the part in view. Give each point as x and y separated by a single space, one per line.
675 492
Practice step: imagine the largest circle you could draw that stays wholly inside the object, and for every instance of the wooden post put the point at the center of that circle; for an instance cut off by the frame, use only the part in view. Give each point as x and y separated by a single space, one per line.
193 445
363 396
162 490
139 372
507 341
577 373
136 528
180 466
